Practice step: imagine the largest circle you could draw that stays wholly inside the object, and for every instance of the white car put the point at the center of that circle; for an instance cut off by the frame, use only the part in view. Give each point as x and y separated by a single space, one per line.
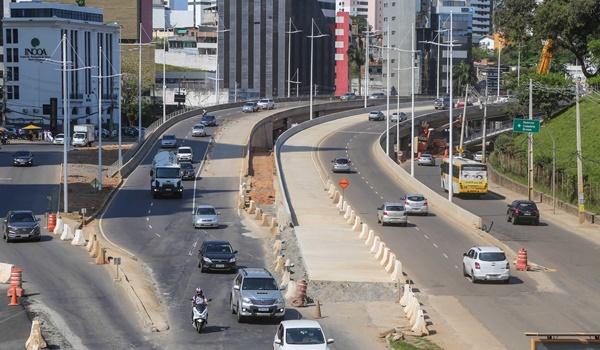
392 214
486 263
416 204
184 154
300 335
59 139
426 159
398 115
266 103
168 141
198 130
478 156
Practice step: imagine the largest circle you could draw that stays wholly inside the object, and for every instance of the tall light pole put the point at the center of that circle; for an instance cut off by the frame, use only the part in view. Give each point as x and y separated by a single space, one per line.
164 79
387 93
140 85
450 116
99 118
289 33
530 146
367 59
65 125
498 87
217 68
580 196
120 114
412 102
483 145
312 37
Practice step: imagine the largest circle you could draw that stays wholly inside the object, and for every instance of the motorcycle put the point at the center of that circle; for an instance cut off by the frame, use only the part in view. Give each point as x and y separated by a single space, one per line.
200 318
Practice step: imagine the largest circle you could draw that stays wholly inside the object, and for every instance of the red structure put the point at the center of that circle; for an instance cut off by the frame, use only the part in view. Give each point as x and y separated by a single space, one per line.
342 62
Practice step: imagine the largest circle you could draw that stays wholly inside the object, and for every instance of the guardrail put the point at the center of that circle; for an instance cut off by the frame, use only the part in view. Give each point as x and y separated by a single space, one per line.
492 131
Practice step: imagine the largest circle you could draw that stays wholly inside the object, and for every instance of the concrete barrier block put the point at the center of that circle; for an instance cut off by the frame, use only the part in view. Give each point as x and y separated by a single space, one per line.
412 308
409 301
351 217
277 245
370 238
279 262
36 340
406 291
364 232
90 243
384 256
331 191
336 197
420 326
265 220
413 316
78 239
251 207
5 272
285 279
357 224
340 203
67 233
375 244
397 274
347 212
380 250
344 206
291 291
390 265
258 214
273 223
58 229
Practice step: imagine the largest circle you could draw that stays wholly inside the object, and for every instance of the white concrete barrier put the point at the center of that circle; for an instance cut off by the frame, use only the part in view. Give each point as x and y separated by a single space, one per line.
67 233
351 217
390 265
408 301
370 238
397 274
412 308
331 191
336 197
357 224
347 212
291 290
420 326
407 290
277 246
79 239
364 232
345 206
251 207
58 229
285 279
5 272
340 204
375 244
384 256
380 250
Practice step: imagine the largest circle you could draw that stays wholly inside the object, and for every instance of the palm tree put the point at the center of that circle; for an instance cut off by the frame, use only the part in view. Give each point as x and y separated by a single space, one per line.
356 57
462 76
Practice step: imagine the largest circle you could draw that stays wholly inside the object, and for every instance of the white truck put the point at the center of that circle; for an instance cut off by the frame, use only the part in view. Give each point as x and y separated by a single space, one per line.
165 175
84 135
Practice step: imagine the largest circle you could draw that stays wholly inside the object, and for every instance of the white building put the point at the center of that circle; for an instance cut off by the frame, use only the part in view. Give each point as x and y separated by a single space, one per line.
32 56
487 43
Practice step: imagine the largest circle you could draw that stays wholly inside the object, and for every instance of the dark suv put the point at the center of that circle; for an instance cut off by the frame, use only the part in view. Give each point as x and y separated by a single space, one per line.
21 224
523 211
216 255
208 120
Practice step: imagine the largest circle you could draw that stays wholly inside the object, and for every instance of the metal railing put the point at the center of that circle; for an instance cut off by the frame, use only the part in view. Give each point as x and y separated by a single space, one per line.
495 128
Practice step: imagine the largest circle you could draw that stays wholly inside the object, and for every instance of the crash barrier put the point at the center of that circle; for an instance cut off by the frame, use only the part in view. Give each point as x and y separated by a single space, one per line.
413 311
5 270
79 239
51 222
67 234
299 297
36 340
58 230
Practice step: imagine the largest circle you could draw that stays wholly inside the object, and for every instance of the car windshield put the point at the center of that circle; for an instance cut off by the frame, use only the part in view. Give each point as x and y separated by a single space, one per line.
186 166
206 211
198 127
21 217
394 208
416 198
169 137
341 161
219 248
259 284
79 135
22 154
167 173
249 104
304 336
184 151
496 256
426 156
59 136
527 206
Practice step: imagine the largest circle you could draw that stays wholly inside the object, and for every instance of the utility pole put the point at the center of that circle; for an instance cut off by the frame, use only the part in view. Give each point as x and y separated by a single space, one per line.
450 147
65 126
580 196
519 66
120 114
366 68
100 118
312 37
498 87
530 146
140 84
437 75
398 110
412 102
464 119
387 94
290 32
483 145
164 85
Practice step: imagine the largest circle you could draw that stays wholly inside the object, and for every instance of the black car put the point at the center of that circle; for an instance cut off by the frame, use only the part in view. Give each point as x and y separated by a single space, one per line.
208 120
21 224
521 211
23 158
216 255
187 171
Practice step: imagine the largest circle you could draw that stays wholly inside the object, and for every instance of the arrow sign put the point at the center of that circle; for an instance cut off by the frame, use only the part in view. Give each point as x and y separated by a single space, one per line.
344 183
526 125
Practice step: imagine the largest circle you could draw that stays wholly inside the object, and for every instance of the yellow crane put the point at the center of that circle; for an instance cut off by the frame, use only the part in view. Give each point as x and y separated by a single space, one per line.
546 57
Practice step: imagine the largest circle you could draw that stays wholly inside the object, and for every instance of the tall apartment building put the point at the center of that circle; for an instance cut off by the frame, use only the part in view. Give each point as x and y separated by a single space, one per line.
363 8
482 18
342 61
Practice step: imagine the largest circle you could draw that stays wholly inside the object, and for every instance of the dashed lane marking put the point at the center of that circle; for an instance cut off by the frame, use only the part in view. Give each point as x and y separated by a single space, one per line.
456 267
445 255
150 227
435 245
427 237
418 229
147 219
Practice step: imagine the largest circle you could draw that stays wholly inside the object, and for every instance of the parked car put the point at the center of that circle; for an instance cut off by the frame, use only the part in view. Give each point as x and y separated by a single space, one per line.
478 156
376 95
198 130
206 216
348 96
216 255
168 141
266 103
521 211
415 204
59 139
376 115
398 116
255 293
250 107
184 154
486 264
341 165
187 171
392 213
23 158
208 120
300 334
21 224
426 159
442 103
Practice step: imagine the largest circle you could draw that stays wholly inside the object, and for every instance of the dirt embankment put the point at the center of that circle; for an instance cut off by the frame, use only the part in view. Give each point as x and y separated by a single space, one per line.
261 181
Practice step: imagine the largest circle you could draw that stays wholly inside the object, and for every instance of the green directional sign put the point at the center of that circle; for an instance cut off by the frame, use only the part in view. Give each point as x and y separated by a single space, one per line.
526 125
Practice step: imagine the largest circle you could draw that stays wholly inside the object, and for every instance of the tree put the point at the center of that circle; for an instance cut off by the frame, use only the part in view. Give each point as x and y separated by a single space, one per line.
356 56
514 18
462 76
550 91
129 94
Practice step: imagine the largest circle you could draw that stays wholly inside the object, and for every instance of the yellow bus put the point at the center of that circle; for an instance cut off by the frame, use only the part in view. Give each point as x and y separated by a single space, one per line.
468 176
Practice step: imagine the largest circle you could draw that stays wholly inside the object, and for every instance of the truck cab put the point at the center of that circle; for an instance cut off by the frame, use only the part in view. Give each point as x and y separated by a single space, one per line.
165 175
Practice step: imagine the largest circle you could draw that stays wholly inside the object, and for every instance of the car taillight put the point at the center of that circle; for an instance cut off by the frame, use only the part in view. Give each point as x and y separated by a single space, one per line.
425 203
477 266
517 212
385 213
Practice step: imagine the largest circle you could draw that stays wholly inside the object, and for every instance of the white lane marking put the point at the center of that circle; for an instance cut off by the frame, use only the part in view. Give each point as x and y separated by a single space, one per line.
445 255
150 227
157 235
456 267
198 173
192 248
5 178
151 204
435 245
427 237
381 197
417 228
147 219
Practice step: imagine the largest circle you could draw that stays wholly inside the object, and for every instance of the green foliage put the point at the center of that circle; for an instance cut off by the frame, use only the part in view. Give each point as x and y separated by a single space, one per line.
514 18
479 53
549 92
414 343
360 23
463 75
356 56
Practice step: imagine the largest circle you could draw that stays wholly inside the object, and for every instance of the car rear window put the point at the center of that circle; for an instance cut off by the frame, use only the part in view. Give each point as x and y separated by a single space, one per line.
186 166
184 150
304 336
527 206
416 198
22 154
169 137
394 208
496 256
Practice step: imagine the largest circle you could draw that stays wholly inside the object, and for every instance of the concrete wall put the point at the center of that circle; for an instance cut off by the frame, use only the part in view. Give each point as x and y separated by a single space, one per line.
188 59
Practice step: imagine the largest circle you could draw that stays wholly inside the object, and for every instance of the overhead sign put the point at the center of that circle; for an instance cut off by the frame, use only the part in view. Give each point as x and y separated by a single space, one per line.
526 125
344 183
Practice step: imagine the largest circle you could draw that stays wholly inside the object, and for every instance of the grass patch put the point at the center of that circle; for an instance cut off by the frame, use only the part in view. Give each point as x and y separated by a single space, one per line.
170 68
414 343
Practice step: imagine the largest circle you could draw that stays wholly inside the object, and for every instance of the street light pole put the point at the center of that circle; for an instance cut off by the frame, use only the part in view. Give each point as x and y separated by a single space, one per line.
483 145
366 68
437 75
387 94
580 196
412 102
140 86
398 110
120 114
530 146
290 32
450 117
100 118
498 87
164 86
65 126
312 37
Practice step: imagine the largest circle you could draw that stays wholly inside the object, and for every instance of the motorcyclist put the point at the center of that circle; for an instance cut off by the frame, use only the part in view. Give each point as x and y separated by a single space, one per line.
197 300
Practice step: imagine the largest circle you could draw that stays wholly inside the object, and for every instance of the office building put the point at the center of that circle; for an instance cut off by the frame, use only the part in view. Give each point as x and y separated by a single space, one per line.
482 18
342 61
369 9
32 48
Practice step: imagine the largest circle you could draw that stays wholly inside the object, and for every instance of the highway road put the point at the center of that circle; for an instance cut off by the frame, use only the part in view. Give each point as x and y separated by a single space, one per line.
160 232
78 297
431 250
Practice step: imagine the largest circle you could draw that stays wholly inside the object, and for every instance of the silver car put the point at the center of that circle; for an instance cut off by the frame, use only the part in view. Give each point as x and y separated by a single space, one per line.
198 130
168 141
249 107
392 213
255 294
341 165
266 103
398 115
426 159
376 115
416 204
184 154
206 216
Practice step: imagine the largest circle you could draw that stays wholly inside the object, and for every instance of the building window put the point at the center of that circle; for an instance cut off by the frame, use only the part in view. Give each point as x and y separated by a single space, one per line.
12 55
12 36
12 92
12 73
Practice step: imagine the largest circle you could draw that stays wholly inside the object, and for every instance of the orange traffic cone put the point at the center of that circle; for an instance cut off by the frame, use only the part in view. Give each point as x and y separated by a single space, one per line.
13 297
522 260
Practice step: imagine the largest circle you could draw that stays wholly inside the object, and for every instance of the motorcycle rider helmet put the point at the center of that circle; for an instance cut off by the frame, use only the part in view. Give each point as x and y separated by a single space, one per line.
199 291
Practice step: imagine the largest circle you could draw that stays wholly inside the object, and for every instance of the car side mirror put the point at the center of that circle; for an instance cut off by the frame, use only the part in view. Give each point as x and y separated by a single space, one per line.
330 341
235 252
151 172
218 213
464 254
236 287
379 208
278 342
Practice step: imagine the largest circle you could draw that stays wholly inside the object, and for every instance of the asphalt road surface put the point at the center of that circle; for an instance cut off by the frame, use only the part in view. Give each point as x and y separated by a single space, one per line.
160 232
59 279
431 250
